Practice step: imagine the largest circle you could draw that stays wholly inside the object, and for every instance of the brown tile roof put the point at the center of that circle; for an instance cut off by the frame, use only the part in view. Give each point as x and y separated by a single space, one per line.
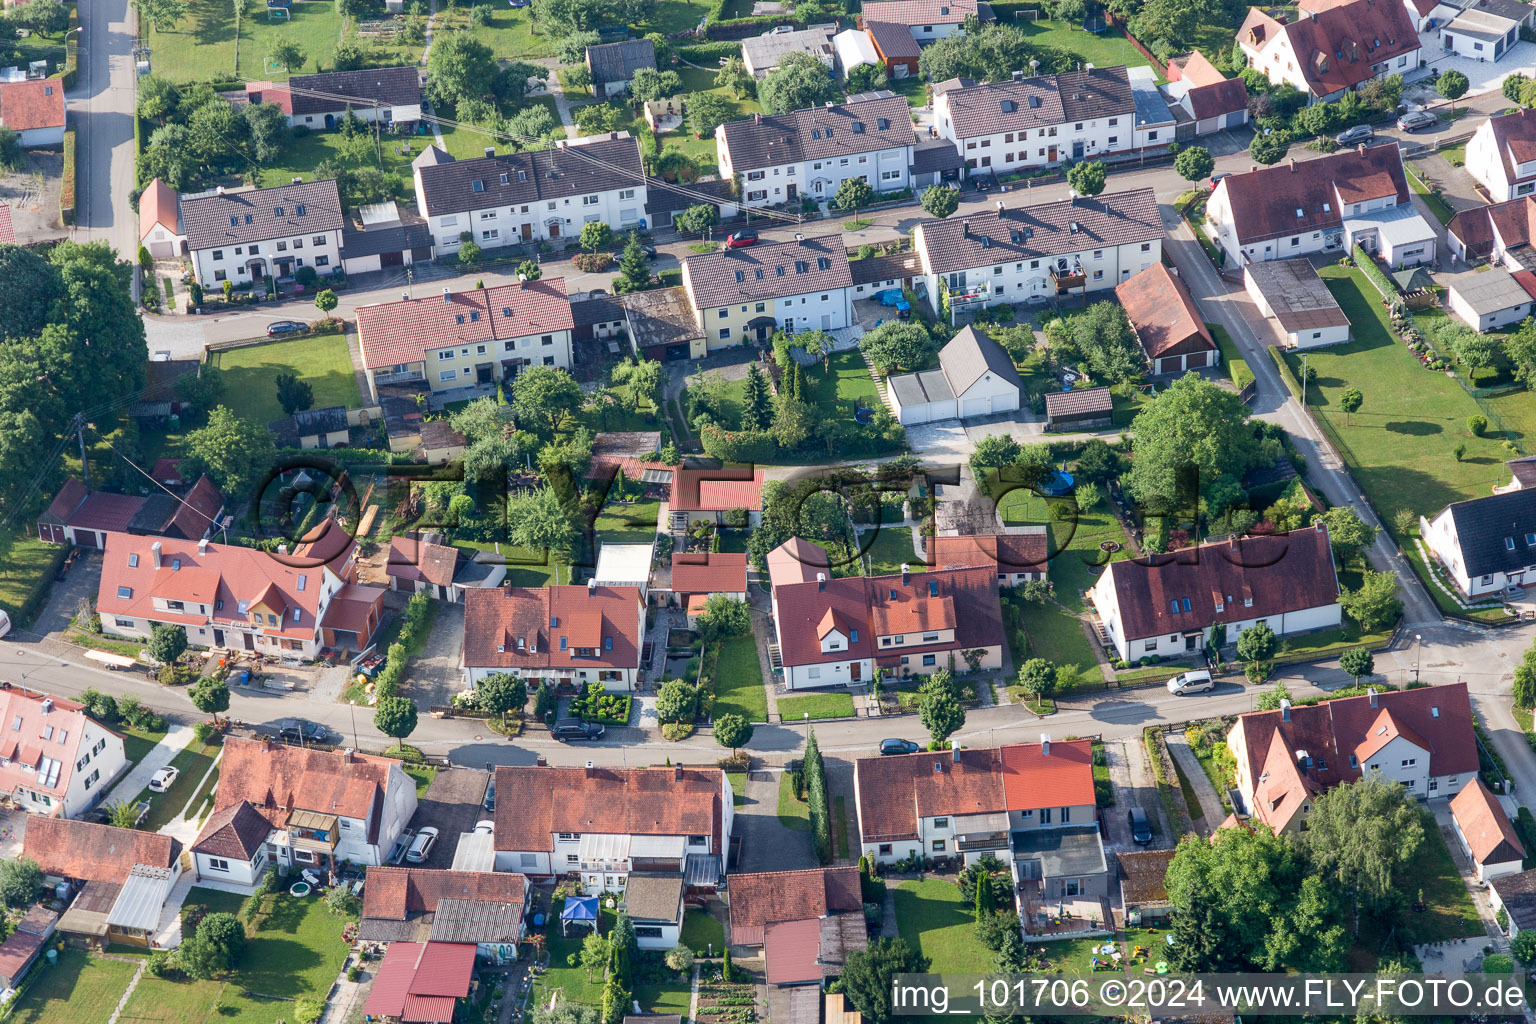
1252 578
713 572
70 495
1162 313
1030 232
413 559
1265 201
1078 402
893 40
1033 103
405 331
25 106
534 802
764 898
398 892
1514 138
236 832
1338 46
1142 873
1331 731
1512 223
1485 826
919 12
895 792
867 123
716 490
275 776
1207 101
544 627
254 215
7 228
91 852
108 512
768 270
1196 69
1003 552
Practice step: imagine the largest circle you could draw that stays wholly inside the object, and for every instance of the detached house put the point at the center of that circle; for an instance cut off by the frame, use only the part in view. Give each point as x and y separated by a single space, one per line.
1072 246
926 20
806 922
612 65
532 195
743 296
1501 155
1486 544
1328 51
469 339
34 110
388 95
119 877
1421 739
248 235
55 760
1352 197
604 823
808 154
1284 581
975 377
484 908
763 54
569 635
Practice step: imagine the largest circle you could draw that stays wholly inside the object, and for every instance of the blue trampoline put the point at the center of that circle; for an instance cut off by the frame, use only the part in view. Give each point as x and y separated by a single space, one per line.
1057 484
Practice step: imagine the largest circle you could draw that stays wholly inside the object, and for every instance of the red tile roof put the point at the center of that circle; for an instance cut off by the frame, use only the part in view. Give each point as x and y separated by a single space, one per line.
524 627
1485 826
405 331
1514 139
1264 201
419 981
532 803
396 892
106 512
18 950
275 776
895 792
1164 316
159 204
716 490
1339 45
919 12
1195 69
797 561
1252 578
1033 778
91 852
7 229
413 559
24 720
1439 716
67 500
764 898
236 832
709 572
792 952
25 106
1001 552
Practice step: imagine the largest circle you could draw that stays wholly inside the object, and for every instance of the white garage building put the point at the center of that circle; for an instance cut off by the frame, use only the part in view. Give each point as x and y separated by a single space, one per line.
1292 294
975 377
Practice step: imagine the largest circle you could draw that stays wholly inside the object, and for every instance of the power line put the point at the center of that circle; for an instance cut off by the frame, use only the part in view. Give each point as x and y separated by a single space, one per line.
150 477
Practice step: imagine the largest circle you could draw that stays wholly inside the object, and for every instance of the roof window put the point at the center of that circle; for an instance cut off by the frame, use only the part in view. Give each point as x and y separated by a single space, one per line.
1509 543
858 127
740 277
1009 106
477 185
298 209
933 588
124 593
133 560
277 211
882 123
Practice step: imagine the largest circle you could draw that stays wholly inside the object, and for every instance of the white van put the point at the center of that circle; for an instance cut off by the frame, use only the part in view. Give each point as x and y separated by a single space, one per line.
5 623
1197 681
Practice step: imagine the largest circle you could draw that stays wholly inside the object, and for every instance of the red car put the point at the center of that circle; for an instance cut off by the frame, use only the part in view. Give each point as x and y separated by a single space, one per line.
741 239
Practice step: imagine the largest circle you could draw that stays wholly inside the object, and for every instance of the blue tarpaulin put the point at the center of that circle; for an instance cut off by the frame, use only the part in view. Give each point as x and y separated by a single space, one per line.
581 908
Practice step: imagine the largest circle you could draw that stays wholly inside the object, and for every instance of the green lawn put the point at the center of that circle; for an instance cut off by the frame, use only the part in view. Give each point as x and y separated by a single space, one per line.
303 153
817 705
138 742
1451 914
508 33
794 813
1237 366
1104 49
632 523
738 787
467 142
200 48
701 932
739 681
194 762
932 917
1400 443
25 569
1442 210
889 548
1516 412
1076 555
323 363
315 26
423 774
843 381
1455 155
79 989
571 982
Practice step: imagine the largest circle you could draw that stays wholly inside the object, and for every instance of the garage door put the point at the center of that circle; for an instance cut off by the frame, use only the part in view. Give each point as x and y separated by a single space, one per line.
975 407
85 538
392 259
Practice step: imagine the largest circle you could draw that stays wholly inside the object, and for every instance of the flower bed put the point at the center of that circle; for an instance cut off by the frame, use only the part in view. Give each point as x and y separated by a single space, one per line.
597 705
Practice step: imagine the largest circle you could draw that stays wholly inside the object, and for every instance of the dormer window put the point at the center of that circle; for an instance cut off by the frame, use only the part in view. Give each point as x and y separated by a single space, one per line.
853 636
1247 602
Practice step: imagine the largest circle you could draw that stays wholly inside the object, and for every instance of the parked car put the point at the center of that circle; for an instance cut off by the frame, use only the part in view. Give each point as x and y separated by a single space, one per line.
485 826
1216 178
1351 136
279 327
421 847
1141 827
1195 681
741 239
301 730
897 746
1417 120
164 779
649 250
569 729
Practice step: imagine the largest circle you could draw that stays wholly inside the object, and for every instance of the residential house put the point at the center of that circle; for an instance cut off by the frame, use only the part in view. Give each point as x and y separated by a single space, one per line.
421 982
55 760
470 339
808 154
160 228
699 575
483 908
312 428
1203 98
1079 409
86 518
569 635
1167 322
1485 833
1486 544
1421 739
926 20
1501 155
34 110
1325 53
532 195
389 96
381 237
718 496
1488 298
1290 292
1284 581
1018 555
324 807
1479 29
896 47
603 823
744 296
1038 122
766 52
834 632
612 65
238 598
417 565
247 235
1352 197
232 844
975 377
875 274
1156 124
1071 246
806 922
1030 804
118 872
1499 233
654 903
596 317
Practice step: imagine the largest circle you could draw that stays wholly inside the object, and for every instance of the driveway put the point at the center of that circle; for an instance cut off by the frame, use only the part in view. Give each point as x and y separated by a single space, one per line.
766 844
435 676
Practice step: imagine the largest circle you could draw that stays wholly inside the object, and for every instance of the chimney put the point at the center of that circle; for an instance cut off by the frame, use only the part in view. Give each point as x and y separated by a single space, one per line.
757 118
821 582
202 546
490 150
1360 149
1285 710
154 554
1253 167
677 773
954 751
906 574
965 228
999 207
1045 744
591 587
591 769
346 756
47 704
1293 165
1370 691
541 761
282 549
220 190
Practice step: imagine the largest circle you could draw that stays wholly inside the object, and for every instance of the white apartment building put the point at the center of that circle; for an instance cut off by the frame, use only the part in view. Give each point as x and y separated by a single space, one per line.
742 296
58 761
1331 49
531 196
1032 252
808 154
248 235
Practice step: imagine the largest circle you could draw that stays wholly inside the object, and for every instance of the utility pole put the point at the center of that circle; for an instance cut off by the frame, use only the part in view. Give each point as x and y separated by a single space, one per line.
378 145
85 463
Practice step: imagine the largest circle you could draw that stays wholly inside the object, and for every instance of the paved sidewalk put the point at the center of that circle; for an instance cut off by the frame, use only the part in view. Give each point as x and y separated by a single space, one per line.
131 785
1210 801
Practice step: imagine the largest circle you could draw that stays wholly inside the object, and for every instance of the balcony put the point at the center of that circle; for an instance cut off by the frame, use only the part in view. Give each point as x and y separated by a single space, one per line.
1068 279
398 378
311 830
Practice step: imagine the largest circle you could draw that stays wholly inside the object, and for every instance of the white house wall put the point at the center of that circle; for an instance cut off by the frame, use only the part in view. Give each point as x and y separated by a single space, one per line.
1020 280
1041 147
321 250
493 227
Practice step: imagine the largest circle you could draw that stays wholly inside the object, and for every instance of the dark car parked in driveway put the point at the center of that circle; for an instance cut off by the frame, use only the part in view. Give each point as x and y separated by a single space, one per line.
1141 827
567 730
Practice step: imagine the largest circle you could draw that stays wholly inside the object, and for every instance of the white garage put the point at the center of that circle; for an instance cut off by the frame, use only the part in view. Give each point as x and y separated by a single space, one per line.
976 377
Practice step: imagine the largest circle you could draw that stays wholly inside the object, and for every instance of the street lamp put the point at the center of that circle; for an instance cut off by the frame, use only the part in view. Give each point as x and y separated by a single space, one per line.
355 744
1418 639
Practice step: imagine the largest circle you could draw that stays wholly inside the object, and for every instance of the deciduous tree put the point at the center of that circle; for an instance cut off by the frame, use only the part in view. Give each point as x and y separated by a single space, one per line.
940 200
1087 178
799 81
868 973
395 716
1363 834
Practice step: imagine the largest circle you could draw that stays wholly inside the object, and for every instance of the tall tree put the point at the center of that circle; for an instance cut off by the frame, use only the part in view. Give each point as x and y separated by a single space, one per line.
756 408
1363 835
235 453
800 81
542 396
1194 164
395 716
1103 334
1347 532
634 268
1452 84
868 973
1087 178
898 345
210 696
940 200
162 14
539 521
733 75
460 67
